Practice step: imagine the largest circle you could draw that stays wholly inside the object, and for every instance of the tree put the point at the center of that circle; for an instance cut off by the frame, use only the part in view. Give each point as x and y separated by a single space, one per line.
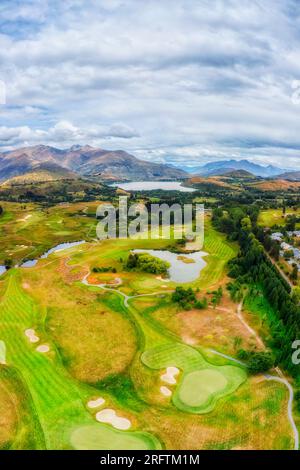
294 273
8 263
257 362
290 223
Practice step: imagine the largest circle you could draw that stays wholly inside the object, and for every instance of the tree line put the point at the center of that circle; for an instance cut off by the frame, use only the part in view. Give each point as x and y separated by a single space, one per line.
252 266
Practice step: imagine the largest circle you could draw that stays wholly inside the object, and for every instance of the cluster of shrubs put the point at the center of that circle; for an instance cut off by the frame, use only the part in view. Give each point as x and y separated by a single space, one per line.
257 362
187 299
103 269
147 263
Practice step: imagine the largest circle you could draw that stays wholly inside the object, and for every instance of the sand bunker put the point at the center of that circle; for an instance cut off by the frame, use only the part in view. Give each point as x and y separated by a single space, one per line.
169 376
2 353
43 348
30 333
110 417
25 218
165 391
96 403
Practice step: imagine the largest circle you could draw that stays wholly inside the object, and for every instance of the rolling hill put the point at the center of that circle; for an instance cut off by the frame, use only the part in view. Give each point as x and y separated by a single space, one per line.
290 176
42 172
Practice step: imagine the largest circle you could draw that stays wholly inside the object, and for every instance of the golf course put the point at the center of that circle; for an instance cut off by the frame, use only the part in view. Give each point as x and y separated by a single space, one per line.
97 356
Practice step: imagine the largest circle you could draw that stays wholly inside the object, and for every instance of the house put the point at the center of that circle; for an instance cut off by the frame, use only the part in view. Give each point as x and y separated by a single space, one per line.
296 253
286 247
277 236
295 233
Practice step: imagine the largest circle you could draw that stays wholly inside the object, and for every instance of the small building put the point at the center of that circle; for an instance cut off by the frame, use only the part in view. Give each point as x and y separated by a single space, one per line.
277 236
286 246
296 253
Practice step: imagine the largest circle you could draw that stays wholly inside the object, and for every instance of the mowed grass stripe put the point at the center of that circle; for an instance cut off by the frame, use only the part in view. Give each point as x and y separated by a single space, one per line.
58 400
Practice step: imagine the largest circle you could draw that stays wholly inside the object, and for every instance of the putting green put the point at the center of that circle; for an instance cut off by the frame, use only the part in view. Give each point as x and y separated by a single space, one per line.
202 384
198 387
96 437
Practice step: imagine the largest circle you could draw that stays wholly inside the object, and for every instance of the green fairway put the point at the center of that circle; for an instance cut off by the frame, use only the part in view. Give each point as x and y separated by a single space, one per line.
93 438
220 252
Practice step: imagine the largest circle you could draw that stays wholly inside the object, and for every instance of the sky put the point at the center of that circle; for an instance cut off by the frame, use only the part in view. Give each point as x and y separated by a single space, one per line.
175 81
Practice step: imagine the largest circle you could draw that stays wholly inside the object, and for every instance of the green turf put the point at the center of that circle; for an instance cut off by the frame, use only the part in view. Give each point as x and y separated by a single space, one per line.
2 352
270 217
58 400
93 438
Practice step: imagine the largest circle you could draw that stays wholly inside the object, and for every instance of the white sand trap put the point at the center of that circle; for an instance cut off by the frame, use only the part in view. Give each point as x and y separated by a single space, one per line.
165 391
43 348
110 417
25 218
96 403
169 376
33 338
2 353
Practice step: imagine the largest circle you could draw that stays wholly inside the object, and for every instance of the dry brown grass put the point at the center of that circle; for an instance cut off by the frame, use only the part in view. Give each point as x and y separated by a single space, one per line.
214 180
277 185
9 403
253 418
93 340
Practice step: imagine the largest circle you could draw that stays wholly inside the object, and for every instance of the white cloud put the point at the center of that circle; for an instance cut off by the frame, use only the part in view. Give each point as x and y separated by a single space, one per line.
154 77
64 133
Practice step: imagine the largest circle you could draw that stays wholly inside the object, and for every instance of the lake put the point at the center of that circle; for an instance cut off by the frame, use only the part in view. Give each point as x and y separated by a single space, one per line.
153 185
183 267
2 270
62 246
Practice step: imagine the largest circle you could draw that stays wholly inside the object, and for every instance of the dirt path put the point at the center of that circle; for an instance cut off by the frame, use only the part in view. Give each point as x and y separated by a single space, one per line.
281 379
285 277
248 328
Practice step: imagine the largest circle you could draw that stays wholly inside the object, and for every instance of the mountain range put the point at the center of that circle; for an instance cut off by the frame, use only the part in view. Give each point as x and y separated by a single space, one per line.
106 165
46 163
226 166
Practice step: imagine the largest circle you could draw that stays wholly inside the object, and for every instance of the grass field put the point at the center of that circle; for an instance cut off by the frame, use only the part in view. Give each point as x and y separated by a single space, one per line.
271 217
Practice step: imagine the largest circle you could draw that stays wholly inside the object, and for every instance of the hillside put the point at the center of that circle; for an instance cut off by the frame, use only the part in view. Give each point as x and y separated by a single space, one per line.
85 161
239 174
210 183
290 176
41 173
276 185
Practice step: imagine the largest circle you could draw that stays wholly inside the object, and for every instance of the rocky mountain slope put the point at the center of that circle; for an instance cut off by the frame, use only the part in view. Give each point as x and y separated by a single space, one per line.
84 161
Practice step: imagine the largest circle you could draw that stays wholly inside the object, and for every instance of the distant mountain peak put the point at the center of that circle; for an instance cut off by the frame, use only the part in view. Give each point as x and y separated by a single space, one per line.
214 168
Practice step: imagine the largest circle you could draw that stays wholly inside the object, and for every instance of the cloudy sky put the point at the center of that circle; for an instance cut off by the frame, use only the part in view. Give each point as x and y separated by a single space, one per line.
182 81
